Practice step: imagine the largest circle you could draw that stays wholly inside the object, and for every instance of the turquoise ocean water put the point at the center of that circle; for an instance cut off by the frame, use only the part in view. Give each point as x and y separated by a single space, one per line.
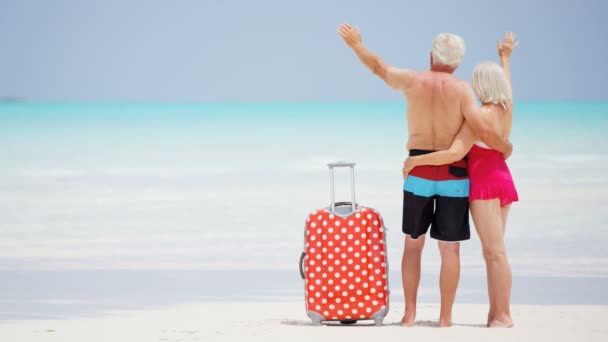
190 200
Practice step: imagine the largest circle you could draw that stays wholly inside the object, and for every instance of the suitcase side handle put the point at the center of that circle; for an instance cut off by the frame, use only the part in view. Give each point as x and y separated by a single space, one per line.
332 187
301 264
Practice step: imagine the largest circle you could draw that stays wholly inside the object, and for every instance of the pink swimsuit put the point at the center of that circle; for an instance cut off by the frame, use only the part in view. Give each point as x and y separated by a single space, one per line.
490 176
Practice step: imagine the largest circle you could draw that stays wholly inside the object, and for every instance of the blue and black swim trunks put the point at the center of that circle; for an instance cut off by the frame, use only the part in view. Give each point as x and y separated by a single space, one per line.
437 197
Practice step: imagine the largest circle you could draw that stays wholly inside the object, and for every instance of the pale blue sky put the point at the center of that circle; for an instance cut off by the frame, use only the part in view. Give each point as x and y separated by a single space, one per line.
188 50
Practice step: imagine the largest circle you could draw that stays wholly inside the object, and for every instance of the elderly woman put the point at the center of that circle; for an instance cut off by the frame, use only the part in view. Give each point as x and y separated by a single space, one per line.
491 186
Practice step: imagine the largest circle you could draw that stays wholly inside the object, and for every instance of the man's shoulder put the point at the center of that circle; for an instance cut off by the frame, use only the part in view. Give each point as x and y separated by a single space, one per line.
459 82
443 77
462 86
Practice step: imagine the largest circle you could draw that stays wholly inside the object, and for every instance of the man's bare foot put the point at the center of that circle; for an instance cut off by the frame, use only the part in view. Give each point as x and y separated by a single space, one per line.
504 322
408 320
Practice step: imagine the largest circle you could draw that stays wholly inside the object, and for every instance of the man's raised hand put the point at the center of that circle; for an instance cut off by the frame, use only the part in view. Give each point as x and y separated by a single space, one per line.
350 34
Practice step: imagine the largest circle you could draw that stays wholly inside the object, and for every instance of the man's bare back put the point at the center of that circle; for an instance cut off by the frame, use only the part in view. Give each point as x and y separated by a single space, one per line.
434 114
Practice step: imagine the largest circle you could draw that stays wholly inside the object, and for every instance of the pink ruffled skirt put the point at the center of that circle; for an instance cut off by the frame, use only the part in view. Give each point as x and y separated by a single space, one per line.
490 176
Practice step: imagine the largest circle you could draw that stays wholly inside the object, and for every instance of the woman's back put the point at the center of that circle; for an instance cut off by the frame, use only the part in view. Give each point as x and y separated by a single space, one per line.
501 118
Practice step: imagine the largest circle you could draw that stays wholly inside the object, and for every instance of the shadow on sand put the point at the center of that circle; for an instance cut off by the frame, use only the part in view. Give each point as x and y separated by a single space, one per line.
427 324
329 324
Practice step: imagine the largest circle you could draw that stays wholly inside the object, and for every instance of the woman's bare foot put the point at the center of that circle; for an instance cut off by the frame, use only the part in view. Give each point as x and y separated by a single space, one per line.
445 323
501 322
490 318
408 320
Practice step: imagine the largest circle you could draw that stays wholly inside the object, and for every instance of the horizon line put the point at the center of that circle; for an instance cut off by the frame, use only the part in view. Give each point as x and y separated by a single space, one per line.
258 103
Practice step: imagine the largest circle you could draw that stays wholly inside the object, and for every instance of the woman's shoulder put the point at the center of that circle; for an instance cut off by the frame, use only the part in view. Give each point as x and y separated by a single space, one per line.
496 115
491 109
509 107
498 109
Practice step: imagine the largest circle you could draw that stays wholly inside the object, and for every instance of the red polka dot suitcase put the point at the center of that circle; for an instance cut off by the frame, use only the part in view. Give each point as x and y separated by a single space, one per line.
344 263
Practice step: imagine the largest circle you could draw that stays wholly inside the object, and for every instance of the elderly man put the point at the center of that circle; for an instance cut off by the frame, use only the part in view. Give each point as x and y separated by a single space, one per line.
436 196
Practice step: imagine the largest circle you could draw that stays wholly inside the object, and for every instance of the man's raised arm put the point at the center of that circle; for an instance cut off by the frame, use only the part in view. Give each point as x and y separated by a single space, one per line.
396 78
482 127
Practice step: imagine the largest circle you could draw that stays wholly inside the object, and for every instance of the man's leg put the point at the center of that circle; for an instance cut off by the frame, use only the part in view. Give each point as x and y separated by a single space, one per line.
451 226
448 279
418 209
410 272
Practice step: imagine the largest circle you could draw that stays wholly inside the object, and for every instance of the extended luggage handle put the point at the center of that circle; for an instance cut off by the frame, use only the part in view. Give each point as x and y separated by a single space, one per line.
332 166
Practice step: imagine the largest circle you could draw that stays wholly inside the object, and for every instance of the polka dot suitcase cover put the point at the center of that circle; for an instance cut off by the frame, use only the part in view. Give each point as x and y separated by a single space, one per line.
344 265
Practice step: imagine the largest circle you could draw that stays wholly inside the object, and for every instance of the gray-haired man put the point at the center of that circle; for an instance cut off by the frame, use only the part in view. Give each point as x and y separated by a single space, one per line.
437 105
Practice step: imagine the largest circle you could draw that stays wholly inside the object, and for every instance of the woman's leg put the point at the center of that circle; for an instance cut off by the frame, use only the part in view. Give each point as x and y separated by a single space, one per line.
505 213
491 296
476 206
487 216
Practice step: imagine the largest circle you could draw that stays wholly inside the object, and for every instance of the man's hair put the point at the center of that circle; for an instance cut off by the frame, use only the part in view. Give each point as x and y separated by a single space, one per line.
491 84
448 50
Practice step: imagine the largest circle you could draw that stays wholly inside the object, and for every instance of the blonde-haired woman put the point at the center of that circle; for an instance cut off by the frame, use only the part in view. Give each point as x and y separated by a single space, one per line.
491 186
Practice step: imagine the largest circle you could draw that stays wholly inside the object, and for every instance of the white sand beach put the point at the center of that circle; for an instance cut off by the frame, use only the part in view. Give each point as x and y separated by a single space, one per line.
251 321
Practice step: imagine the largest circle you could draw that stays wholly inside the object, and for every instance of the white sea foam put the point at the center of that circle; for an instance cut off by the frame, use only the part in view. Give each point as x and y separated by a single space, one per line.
576 159
179 172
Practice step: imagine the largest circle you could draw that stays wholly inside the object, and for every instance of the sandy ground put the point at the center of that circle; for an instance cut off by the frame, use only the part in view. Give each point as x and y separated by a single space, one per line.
228 321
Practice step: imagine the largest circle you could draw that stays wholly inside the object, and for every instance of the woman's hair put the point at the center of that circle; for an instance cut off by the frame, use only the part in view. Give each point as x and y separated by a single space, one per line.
491 84
448 49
